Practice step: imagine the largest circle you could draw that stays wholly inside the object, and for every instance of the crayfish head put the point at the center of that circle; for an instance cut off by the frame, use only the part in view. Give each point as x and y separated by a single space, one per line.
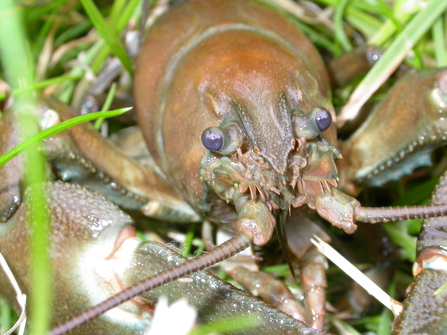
271 138
240 170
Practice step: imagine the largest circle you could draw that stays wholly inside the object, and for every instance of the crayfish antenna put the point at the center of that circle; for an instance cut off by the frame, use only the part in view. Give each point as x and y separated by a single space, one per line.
281 216
388 214
238 243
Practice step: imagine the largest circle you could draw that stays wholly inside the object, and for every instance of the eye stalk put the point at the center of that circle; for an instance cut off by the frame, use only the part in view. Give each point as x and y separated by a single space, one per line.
224 140
311 124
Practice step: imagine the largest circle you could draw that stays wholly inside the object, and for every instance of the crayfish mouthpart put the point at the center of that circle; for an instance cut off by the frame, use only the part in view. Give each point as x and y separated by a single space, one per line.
256 221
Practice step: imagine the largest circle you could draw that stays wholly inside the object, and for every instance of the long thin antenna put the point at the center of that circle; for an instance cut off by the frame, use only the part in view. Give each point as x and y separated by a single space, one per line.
227 249
388 214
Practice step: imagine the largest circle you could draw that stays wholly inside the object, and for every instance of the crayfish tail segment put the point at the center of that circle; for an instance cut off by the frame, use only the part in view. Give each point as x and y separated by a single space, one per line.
388 214
226 250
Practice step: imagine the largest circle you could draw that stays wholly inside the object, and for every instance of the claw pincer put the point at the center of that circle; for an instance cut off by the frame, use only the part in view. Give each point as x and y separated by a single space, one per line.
84 228
426 304
94 256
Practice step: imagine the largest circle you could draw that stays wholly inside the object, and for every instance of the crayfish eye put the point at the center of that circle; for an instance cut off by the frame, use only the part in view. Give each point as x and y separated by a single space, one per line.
225 139
323 119
213 139
311 124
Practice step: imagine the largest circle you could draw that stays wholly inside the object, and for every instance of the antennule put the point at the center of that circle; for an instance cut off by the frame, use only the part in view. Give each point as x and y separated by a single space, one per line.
228 249
388 214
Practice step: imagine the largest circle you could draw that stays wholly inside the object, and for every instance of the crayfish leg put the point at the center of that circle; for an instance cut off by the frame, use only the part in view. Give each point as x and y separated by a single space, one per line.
244 269
81 155
313 264
313 267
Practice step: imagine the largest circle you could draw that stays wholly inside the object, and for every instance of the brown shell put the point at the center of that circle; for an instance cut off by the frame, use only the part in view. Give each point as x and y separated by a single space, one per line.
205 58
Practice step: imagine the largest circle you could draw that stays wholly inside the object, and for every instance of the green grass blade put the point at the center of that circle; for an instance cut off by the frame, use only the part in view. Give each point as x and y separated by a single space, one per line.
440 43
117 9
315 37
390 16
66 90
106 105
401 14
364 23
228 325
340 34
393 57
5 316
118 23
398 233
72 33
46 83
36 139
190 235
441 292
358 14
127 13
107 34
19 73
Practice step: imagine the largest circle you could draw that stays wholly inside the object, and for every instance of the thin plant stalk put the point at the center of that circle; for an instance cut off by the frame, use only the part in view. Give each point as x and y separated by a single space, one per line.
391 59
19 73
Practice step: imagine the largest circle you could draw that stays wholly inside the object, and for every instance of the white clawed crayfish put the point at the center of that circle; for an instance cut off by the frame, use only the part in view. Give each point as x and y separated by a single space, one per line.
235 108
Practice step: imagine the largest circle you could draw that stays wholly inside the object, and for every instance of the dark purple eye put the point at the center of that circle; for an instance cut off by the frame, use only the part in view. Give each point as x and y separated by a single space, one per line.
323 119
212 139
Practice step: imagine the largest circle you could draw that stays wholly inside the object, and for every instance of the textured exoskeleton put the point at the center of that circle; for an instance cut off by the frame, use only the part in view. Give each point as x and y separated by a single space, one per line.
405 139
234 104
427 299
95 253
